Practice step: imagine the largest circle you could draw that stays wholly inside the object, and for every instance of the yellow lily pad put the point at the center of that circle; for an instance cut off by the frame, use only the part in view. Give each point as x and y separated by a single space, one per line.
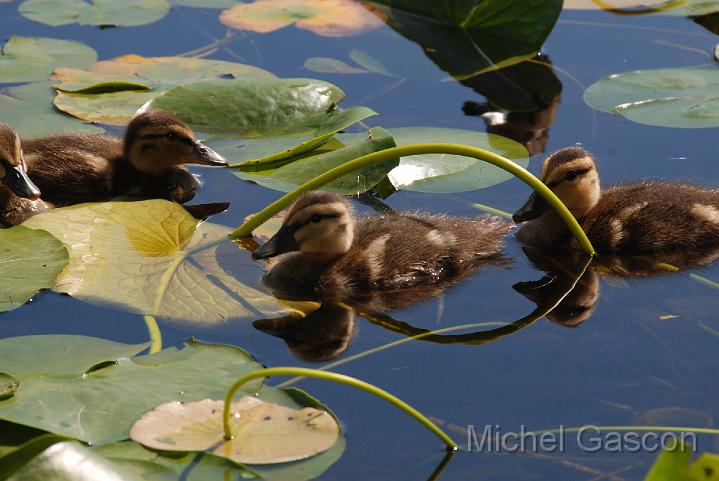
328 18
110 91
263 432
153 258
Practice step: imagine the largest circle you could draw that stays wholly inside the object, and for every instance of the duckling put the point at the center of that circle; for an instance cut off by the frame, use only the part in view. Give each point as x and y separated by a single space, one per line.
19 197
336 255
75 168
639 218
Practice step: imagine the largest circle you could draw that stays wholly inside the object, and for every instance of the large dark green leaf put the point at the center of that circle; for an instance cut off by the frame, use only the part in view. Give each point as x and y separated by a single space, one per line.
26 59
29 110
30 260
681 97
467 37
299 170
127 13
112 90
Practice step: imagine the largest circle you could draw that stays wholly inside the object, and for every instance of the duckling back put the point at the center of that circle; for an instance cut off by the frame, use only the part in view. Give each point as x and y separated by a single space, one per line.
654 217
400 251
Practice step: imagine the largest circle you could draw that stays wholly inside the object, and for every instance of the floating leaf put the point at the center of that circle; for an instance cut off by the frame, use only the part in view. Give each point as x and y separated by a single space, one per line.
369 62
26 59
286 176
30 260
128 13
671 465
264 433
468 38
329 18
117 88
681 97
96 405
331 65
147 257
205 3
450 173
705 468
29 110
71 461
608 4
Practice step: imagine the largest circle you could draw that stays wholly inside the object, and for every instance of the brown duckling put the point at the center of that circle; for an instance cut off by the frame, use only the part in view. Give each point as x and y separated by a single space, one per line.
335 255
75 168
19 197
644 217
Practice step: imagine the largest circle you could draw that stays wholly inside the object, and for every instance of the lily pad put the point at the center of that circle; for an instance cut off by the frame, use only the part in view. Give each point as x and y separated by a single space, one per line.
30 260
331 65
263 432
681 97
112 90
205 3
149 257
8 385
369 62
441 173
26 59
286 176
96 405
329 18
128 13
29 110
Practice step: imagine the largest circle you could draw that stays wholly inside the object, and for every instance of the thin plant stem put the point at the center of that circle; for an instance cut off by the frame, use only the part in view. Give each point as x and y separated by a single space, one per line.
155 335
330 376
245 230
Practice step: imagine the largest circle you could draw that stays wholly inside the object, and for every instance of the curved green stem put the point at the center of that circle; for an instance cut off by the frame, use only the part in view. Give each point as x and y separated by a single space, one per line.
245 230
155 335
330 376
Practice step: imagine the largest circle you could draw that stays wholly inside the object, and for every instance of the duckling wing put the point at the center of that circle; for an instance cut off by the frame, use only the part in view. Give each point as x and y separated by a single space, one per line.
70 169
405 251
655 216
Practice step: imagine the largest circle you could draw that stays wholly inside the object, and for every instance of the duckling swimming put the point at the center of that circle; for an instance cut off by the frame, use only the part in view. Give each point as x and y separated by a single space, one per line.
336 255
635 218
18 195
75 168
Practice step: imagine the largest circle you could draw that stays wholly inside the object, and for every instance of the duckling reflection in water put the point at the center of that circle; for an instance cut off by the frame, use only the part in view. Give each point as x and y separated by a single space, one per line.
75 168
19 196
640 218
331 254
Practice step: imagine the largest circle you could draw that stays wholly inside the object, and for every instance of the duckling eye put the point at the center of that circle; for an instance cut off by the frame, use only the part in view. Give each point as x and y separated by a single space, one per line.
315 218
571 175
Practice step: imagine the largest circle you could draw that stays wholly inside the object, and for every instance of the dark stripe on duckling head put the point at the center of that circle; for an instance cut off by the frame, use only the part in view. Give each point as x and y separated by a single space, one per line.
562 157
316 198
156 120
569 176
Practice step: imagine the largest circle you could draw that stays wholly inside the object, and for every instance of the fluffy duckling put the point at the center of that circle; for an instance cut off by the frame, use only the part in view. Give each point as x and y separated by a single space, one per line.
75 168
638 218
18 195
338 256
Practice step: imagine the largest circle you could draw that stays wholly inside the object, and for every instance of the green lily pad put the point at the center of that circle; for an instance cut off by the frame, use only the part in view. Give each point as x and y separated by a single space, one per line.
8 385
30 260
29 110
25 452
263 432
26 59
442 173
205 3
329 18
331 65
71 461
705 468
671 465
128 13
96 405
369 62
148 257
112 90
296 171
681 97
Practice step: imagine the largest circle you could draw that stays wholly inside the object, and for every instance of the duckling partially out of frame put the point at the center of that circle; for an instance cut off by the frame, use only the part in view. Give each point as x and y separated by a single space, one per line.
336 255
640 218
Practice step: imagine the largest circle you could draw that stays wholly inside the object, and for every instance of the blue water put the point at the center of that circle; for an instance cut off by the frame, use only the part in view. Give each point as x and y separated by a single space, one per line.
624 365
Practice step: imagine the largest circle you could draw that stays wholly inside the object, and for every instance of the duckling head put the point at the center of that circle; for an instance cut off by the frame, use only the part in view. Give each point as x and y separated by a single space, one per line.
156 140
572 175
318 223
13 171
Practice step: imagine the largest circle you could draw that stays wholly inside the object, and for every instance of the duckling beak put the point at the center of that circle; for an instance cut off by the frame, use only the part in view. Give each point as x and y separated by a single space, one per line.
533 208
202 154
17 180
282 242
